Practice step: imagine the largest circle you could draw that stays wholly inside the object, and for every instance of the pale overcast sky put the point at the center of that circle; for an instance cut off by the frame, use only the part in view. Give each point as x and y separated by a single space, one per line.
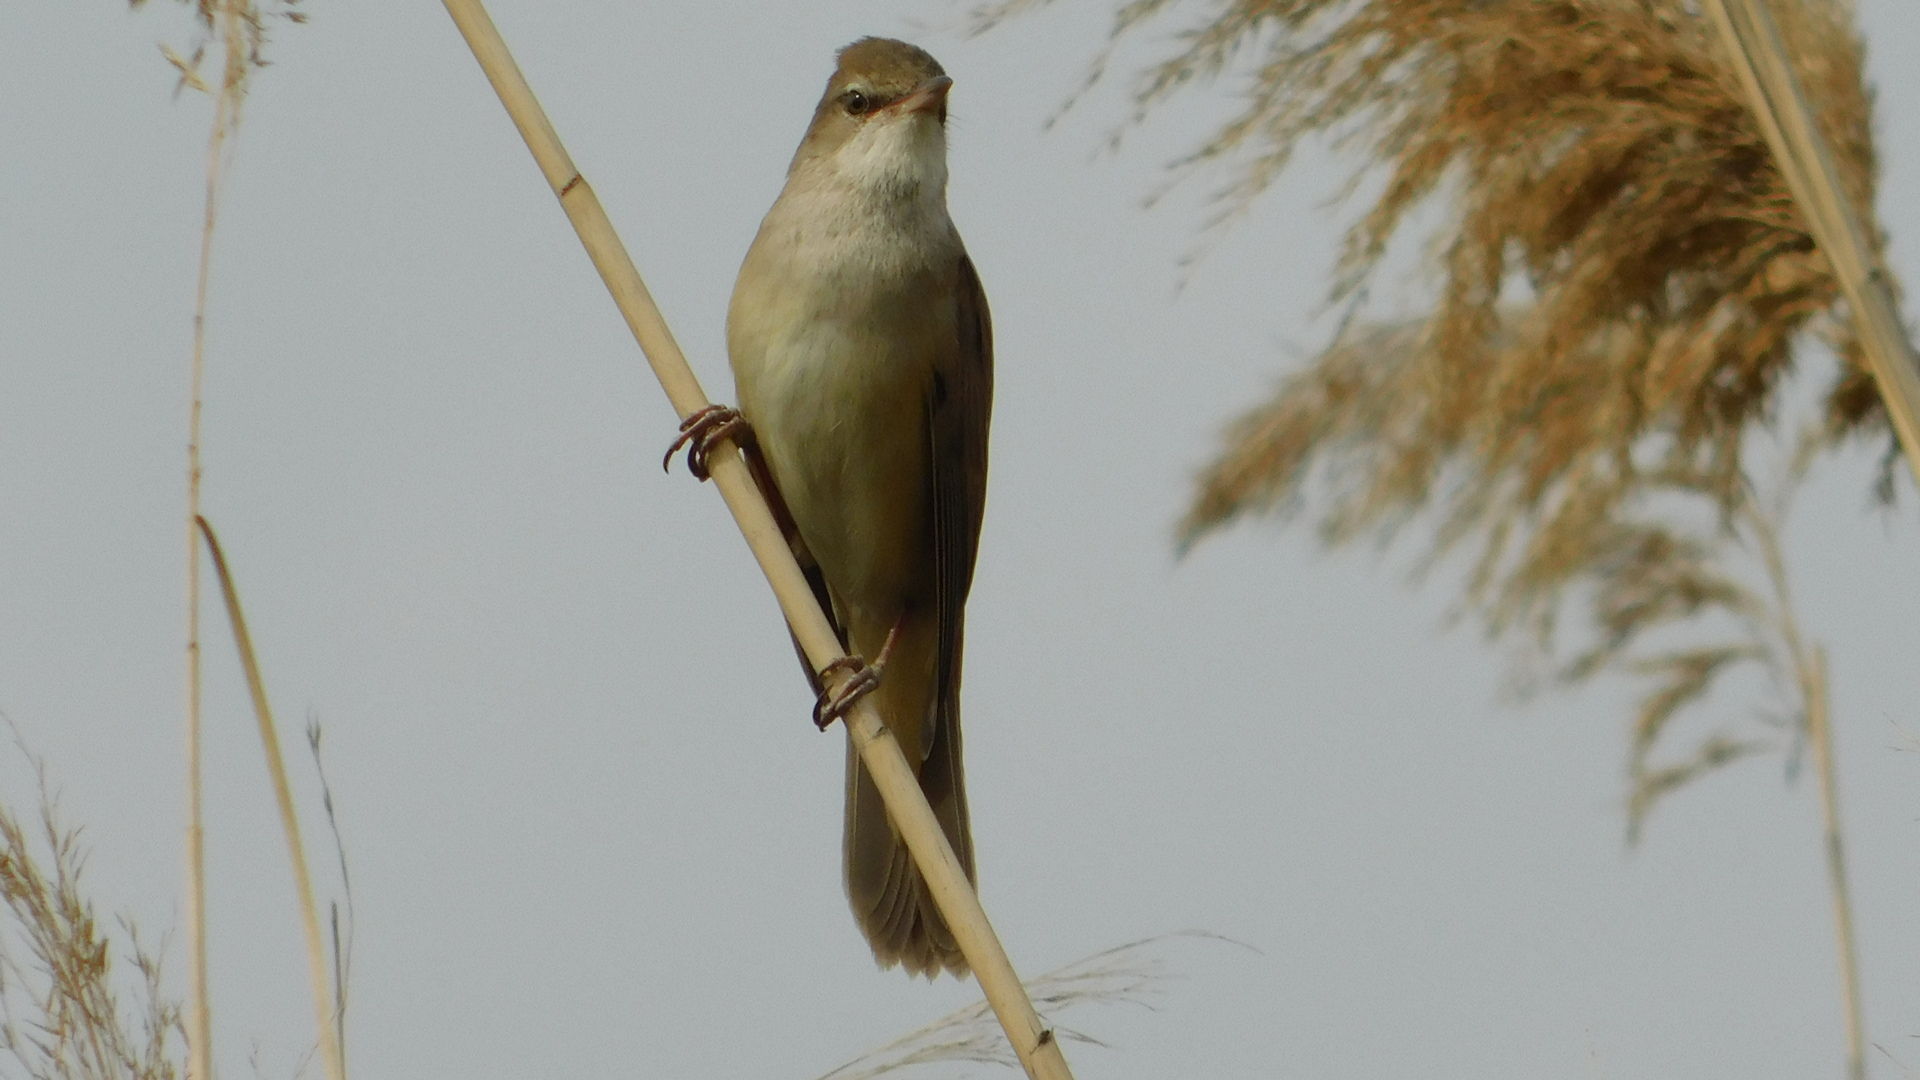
591 829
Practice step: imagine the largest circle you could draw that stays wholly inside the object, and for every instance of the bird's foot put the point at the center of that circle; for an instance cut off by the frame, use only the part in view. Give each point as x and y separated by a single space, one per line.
702 433
862 678
832 705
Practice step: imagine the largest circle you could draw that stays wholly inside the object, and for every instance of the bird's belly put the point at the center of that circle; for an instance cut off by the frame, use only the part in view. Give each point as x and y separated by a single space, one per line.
840 415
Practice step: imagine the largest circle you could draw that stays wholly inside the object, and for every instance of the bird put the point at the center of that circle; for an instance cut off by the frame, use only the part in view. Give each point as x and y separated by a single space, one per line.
862 356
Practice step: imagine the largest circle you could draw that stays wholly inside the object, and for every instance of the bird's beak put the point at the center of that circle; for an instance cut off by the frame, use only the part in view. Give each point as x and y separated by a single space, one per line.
929 96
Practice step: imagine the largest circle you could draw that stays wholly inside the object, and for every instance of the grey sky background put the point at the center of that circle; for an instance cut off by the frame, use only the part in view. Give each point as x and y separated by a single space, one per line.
591 830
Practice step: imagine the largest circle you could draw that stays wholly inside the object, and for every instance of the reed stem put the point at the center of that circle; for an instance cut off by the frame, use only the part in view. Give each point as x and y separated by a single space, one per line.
1809 662
199 1009
1032 1040
228 21
1820 737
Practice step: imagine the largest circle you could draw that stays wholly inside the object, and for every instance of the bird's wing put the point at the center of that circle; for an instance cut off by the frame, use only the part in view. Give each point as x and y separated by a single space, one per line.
959 404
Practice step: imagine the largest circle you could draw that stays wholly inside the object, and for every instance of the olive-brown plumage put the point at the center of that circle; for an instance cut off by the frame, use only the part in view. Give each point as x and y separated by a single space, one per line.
863 358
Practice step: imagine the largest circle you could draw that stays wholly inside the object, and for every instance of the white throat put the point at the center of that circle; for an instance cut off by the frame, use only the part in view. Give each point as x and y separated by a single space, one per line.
895 157
879 199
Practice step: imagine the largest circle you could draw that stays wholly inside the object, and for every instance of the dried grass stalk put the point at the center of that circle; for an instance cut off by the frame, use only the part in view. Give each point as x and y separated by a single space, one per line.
223 19
1038 1050
324 996
239 27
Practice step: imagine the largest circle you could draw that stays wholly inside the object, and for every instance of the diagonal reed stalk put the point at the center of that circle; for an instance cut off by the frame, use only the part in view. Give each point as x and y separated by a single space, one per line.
323 996
1033 1041
1760 57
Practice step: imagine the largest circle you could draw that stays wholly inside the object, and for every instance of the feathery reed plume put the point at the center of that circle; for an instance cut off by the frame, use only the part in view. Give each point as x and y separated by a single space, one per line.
1034 1043
239 27
1600 153
1130 974
324 996
62 1014
1605 160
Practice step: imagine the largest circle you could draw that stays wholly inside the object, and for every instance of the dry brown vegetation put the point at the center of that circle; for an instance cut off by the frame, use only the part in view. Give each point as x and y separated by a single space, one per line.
64 1015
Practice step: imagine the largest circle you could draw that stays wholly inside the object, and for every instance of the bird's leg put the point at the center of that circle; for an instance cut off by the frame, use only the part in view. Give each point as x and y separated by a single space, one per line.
703 432
862 679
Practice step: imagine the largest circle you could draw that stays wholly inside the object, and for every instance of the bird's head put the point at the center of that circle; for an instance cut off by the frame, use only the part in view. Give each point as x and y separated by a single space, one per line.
881 125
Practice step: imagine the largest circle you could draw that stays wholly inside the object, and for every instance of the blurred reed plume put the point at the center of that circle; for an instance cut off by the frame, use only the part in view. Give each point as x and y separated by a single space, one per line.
1600 155
1623 283
63 1013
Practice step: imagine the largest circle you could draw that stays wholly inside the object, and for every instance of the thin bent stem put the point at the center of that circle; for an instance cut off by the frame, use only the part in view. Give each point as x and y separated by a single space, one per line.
323 997
342 941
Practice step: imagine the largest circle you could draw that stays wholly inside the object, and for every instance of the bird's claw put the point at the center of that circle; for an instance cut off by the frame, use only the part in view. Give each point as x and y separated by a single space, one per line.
701 433
833 705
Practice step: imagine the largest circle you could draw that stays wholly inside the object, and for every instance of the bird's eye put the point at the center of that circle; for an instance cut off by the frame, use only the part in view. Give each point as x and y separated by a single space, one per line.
857 103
